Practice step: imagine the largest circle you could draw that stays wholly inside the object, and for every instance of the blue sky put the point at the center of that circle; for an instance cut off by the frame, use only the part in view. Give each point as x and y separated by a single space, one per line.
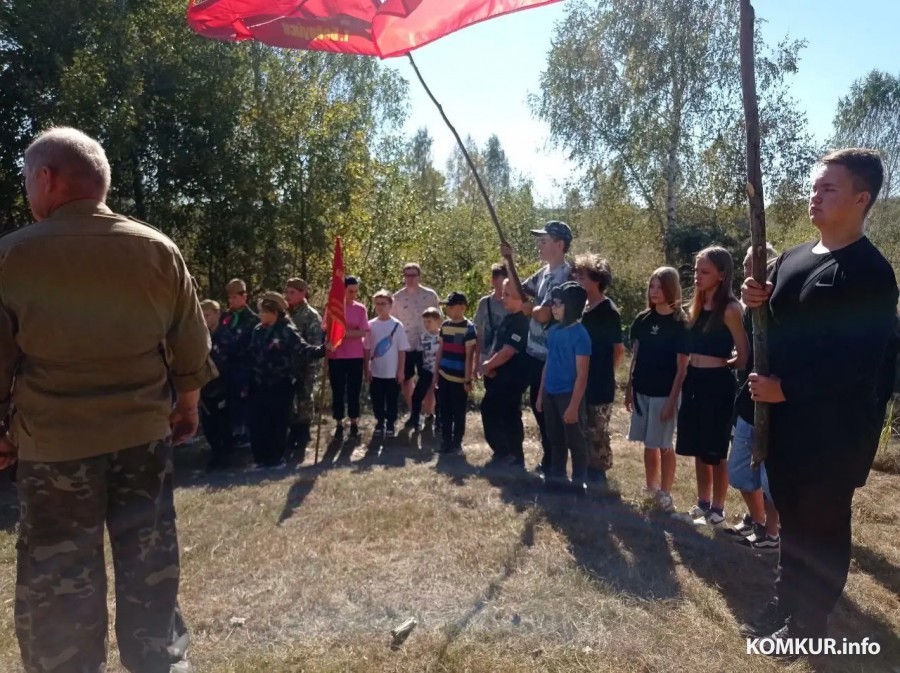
483 75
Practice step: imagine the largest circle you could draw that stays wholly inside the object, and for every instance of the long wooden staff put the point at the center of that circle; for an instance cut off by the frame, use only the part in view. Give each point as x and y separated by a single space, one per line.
510 264
757 224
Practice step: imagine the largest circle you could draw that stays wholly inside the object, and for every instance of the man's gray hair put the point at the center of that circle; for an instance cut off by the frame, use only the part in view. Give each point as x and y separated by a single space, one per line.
73 153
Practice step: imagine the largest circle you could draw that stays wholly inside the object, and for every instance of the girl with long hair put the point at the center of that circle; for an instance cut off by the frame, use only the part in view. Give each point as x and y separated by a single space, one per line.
717 345
659 365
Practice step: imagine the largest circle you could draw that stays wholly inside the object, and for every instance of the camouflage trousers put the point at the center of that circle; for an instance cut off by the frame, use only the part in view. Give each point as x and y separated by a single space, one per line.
599 447
60 606
304 409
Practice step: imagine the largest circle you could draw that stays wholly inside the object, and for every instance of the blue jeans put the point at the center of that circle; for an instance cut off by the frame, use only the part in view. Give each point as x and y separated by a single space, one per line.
740 475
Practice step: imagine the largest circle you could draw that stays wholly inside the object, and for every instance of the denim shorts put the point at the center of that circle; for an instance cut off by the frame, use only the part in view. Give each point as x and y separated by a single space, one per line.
740 475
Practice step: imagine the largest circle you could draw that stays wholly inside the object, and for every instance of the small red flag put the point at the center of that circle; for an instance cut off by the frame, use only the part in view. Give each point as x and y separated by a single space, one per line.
334 315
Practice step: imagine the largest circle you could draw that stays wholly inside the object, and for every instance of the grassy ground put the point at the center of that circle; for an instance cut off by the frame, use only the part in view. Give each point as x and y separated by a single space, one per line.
323 561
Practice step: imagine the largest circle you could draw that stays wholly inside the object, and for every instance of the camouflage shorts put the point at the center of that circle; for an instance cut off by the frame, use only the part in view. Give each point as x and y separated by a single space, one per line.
599 447
60 604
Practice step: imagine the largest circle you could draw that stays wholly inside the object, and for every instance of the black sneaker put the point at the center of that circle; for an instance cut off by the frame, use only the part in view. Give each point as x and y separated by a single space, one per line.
339 432
741 530
770 620
389 430
354 430
379 428
760 541
411 424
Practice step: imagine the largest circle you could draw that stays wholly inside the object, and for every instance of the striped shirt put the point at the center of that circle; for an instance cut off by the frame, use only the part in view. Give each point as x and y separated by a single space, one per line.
455 337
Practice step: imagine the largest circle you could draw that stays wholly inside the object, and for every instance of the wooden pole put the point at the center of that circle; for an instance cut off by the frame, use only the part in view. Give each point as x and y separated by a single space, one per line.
757 222
510 264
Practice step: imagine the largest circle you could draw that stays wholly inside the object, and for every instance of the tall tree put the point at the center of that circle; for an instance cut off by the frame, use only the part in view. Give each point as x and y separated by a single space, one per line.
647 88
869 116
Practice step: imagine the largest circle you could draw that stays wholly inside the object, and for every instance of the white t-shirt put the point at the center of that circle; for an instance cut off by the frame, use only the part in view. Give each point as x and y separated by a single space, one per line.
384 366
430 344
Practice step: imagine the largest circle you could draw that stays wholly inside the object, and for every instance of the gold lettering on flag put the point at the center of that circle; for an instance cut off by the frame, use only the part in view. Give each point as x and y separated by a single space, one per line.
313 33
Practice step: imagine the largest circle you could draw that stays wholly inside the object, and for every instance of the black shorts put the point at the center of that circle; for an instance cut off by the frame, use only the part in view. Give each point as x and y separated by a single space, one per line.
413 365
704 419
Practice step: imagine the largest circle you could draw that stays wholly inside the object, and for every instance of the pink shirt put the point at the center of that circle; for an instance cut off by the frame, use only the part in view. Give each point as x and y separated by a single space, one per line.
352 347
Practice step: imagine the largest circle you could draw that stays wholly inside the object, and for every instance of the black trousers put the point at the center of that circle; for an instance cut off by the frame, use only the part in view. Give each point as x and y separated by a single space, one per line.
270 418
566 438
501 416
815 543
238 386
385 393
345 376
216 424
453 400
420 392
535 372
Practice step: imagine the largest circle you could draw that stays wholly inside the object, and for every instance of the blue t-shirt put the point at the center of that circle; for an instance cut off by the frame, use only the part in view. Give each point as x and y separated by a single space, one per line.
563 345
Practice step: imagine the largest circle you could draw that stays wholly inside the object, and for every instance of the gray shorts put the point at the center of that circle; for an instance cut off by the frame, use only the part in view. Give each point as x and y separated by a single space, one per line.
646 425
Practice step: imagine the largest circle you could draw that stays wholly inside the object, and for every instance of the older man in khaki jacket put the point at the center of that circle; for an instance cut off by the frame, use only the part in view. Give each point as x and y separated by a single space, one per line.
99 322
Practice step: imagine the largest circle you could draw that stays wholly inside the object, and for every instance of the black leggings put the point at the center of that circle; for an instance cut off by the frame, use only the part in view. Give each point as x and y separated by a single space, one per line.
345 376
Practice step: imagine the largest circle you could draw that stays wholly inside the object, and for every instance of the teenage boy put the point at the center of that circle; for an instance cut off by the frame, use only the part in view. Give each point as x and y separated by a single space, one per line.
554 240
832 303
386 348
456 364
309 324
237 326
604 325
505 380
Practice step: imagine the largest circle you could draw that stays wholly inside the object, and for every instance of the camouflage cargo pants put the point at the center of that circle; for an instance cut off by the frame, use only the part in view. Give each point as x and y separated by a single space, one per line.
599 447
304 411
60 608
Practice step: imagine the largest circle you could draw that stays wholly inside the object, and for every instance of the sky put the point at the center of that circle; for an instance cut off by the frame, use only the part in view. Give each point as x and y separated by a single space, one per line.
483 75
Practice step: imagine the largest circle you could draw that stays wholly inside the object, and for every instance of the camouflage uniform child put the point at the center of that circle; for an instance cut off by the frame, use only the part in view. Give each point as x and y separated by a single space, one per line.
309 325
214 395
604 325
237 327
275 350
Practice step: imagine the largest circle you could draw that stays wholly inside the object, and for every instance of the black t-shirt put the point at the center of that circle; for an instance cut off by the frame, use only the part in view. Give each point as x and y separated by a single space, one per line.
661 338
832 317
743 405
604 325
512 331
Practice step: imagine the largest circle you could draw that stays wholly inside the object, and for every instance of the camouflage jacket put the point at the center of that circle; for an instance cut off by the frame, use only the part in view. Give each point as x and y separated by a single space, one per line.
217 388
237 330
276 352
308 323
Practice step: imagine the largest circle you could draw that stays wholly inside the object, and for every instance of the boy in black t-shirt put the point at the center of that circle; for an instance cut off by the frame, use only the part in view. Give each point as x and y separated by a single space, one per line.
833 305
505 381
604 325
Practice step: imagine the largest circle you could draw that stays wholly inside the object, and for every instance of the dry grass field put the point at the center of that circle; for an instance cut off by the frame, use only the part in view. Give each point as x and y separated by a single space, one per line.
321 562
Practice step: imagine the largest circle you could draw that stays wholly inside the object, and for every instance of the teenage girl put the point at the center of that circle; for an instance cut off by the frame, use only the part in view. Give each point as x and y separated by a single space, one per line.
659 365
717 345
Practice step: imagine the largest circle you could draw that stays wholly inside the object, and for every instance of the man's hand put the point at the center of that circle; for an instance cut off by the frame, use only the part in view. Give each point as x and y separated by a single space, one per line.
765 389
9 453
570 417
753 294
668 410
506 250
184 422
539 403
400 377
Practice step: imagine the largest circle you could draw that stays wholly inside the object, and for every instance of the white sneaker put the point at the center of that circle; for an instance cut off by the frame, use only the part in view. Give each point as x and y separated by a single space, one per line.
664 502
696 512
710 519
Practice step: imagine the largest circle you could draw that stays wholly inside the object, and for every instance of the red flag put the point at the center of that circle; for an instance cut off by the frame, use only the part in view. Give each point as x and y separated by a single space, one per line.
368 27
334 314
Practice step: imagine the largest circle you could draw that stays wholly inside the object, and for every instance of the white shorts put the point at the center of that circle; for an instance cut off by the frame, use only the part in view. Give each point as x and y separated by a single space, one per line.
646 425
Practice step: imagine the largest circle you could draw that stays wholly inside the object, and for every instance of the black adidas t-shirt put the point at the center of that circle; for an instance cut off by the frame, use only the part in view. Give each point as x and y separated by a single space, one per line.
661 339
512 331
